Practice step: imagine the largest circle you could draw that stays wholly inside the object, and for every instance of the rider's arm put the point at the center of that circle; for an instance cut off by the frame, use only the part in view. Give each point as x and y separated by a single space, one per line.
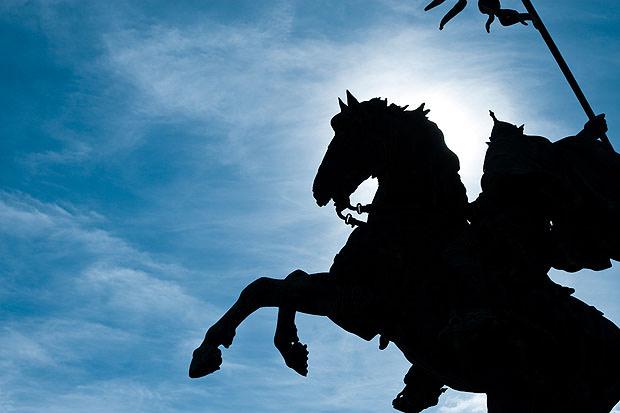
593 129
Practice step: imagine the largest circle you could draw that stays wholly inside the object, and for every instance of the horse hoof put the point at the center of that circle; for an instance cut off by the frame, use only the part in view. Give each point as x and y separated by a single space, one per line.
416 403
205 360
295 356
402 404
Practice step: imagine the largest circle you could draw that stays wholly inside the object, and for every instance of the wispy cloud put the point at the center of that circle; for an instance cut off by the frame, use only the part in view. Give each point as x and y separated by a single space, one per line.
476 403
209 73
69 230
85 298
213 129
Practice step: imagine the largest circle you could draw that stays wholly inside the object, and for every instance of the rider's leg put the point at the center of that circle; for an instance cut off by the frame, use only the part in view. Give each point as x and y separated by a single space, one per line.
287 342
311 294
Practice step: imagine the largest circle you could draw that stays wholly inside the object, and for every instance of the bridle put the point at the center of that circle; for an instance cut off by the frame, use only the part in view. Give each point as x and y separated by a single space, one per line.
349 219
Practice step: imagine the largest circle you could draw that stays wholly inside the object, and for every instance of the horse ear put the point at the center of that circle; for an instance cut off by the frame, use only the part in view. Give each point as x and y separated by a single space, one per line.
351 101
343 107
522 128
421 109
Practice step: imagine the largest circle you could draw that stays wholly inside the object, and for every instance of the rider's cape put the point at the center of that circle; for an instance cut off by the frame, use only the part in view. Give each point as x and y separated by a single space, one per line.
574 183
586 223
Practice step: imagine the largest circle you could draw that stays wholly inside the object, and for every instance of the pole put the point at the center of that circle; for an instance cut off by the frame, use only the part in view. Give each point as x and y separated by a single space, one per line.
540 26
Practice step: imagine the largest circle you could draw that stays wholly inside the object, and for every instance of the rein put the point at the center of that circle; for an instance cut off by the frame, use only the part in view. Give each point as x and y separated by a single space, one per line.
349 219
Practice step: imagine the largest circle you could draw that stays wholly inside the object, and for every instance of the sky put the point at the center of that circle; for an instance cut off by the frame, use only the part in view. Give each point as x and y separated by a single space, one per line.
155 157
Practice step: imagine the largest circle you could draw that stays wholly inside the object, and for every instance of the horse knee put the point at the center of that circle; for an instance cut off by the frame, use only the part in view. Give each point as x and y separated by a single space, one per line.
265 284
256 288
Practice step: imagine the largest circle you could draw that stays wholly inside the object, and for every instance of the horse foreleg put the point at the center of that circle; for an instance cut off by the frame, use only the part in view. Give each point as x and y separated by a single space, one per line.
422 391
294 353
311 294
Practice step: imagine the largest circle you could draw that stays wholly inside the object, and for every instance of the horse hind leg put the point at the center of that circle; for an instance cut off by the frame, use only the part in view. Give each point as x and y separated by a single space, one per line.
311 294
294 353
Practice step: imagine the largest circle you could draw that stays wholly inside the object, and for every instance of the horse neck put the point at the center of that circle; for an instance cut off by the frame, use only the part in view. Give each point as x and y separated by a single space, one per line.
398 192
422 181
405 181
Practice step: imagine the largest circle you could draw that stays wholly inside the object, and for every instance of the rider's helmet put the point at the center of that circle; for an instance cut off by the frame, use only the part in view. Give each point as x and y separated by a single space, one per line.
503 129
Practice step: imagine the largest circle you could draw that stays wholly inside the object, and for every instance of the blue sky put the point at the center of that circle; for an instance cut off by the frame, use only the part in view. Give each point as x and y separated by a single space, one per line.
157 156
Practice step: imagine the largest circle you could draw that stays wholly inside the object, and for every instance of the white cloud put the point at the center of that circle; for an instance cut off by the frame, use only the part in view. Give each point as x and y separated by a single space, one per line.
112 277
50 343
24 216
134 295
476 403
271 96
212 73
105 396
17 348
109 287
70 231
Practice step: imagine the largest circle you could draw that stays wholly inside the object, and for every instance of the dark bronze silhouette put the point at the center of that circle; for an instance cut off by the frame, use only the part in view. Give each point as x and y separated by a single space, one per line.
461 289
509 17
492 8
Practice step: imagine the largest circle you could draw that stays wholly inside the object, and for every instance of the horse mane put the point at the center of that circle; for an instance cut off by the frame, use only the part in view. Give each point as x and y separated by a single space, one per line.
419 147
375 107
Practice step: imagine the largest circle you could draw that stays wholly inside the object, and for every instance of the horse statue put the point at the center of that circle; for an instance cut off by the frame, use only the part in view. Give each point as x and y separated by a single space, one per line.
461 289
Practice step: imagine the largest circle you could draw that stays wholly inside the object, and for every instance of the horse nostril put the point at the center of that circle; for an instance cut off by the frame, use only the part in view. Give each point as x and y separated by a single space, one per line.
321 199
321 190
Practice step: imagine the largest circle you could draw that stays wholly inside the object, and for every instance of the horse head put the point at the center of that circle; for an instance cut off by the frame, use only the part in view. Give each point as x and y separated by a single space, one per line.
365 133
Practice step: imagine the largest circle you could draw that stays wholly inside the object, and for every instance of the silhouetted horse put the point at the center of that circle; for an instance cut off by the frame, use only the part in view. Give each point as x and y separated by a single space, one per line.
413 275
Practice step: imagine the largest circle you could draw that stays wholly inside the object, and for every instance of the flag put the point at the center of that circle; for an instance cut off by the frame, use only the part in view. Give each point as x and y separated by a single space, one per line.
492 8
509 17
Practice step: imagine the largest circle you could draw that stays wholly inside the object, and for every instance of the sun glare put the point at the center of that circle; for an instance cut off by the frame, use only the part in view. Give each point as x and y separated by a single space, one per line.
466 130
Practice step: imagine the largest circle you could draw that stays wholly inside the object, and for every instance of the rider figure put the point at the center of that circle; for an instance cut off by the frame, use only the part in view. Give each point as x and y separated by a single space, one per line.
523 187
